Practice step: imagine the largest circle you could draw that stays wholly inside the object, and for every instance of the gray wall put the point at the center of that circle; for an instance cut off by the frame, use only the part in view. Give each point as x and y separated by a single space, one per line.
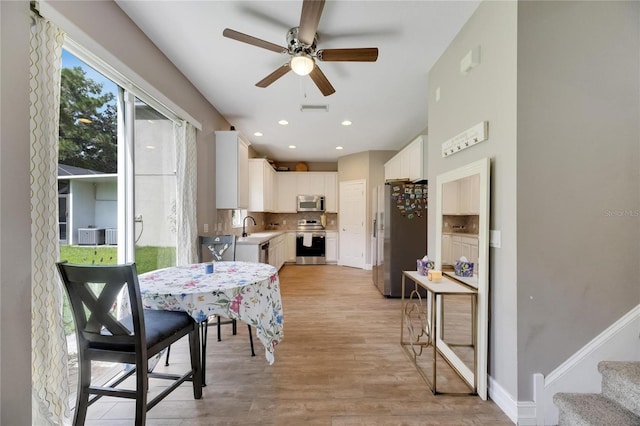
487 93
15 228
578 176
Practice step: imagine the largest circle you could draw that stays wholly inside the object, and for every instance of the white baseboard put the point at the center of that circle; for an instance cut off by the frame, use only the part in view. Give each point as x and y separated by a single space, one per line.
504 400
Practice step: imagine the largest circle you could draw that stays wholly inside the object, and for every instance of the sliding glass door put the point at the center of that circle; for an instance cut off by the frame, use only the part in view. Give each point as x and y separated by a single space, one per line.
117 181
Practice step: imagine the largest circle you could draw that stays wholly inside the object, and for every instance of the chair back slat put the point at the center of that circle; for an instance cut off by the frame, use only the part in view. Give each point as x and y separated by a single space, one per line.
93 293
221 247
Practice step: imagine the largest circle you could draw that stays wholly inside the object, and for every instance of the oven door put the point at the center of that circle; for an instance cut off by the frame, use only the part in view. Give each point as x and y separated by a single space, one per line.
310 248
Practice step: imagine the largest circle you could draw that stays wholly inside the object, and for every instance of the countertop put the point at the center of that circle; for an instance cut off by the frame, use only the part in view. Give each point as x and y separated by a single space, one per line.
464 234
258 237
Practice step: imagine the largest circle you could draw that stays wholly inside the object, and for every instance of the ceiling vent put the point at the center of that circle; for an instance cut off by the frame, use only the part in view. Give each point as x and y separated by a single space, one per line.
312 108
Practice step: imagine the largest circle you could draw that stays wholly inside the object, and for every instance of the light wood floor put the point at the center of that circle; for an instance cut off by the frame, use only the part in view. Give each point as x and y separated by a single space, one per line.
340 363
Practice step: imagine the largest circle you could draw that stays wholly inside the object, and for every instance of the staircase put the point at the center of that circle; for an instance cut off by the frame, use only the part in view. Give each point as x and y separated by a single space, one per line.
617 405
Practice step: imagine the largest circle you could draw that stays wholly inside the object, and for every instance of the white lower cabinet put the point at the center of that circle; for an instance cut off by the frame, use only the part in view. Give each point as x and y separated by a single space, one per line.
277 251
331 247
456 246
446 250
291 247
248 252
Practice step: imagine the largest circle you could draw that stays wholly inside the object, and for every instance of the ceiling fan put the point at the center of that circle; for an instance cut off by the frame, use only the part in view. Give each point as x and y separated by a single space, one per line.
301 46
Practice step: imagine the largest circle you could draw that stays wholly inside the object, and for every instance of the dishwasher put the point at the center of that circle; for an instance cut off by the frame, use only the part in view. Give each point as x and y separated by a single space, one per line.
264 253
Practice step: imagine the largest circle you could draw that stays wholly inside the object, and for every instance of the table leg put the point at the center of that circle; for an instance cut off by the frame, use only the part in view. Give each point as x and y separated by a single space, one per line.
204 327
402 305
434 340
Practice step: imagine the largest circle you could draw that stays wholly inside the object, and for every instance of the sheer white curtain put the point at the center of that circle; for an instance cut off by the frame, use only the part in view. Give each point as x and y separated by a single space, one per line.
186 182
50 379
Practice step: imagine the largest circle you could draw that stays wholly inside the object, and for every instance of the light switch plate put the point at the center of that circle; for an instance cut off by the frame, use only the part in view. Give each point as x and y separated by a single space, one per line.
495 239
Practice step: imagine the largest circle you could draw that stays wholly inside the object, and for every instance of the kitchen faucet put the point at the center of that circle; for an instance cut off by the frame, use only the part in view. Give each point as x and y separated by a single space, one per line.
244 221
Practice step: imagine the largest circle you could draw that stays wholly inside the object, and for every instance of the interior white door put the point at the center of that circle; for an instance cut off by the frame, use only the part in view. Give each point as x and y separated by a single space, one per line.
352 216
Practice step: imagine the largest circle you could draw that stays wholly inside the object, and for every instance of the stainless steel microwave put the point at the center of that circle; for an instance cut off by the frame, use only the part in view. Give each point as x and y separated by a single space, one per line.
310 203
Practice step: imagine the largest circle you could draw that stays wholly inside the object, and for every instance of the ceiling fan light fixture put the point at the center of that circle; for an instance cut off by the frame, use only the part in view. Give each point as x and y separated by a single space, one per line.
302 64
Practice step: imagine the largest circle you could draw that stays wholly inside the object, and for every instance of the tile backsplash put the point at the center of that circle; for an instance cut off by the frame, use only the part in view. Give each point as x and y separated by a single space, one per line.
460 224
289 221
270 222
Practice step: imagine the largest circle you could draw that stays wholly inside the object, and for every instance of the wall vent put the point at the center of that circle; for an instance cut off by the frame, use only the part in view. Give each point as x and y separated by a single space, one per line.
311 108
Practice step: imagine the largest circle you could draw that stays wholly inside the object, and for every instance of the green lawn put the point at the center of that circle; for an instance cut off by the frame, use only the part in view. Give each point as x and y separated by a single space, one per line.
148 258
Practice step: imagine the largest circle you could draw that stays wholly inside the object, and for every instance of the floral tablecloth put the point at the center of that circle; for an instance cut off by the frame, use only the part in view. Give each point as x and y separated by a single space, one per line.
246 291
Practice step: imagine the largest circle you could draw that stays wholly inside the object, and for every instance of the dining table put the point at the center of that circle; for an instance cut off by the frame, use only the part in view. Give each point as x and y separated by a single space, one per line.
244 291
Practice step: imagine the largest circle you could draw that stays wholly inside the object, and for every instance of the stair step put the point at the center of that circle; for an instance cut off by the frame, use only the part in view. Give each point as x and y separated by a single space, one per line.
582 409
621 383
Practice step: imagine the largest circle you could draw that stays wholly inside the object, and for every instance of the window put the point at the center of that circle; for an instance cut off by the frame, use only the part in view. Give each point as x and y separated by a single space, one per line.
237 216
117 179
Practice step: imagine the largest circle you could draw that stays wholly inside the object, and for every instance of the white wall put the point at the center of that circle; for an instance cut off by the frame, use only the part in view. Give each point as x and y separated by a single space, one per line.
82 208
155 183
106 214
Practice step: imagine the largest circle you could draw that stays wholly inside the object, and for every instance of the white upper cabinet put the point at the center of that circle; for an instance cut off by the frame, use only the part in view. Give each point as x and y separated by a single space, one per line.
292 184
331 192
262 192
310 183
393 169
287 190
462 196
450 198
232 171
410 163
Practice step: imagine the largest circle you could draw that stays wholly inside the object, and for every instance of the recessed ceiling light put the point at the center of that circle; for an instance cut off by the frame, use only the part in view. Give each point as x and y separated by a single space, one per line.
257 134
283 122
292 147
339 147
346 123
150 147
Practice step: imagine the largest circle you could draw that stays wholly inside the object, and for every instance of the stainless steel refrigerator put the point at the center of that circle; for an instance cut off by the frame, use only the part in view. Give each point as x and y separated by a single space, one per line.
400 233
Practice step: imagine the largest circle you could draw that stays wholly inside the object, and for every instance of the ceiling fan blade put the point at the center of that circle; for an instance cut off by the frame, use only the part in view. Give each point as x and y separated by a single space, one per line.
309 20
235 35
321 81
279 72
367 54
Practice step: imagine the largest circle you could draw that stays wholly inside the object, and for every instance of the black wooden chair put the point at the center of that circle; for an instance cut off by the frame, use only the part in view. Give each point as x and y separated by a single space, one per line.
93 292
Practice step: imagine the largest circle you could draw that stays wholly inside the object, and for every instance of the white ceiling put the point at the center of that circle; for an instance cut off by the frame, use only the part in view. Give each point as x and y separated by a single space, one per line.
386 100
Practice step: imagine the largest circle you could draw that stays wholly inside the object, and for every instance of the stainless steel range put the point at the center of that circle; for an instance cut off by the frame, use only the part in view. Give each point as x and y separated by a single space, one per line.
310 243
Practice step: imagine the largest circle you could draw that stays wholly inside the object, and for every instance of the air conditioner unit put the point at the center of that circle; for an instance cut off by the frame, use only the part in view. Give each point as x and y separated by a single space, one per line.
90 236
111 236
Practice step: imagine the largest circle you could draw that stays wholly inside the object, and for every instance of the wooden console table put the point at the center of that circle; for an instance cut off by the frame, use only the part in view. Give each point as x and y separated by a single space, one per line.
426 313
